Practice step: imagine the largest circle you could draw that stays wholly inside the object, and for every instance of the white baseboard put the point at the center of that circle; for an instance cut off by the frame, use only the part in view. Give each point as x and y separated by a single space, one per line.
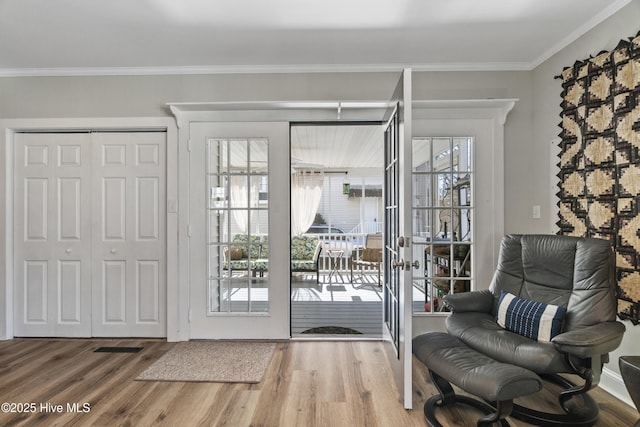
612 383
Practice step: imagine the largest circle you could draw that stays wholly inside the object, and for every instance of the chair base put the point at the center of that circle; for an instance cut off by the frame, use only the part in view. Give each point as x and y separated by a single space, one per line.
580 409
361 272
448 396
493 414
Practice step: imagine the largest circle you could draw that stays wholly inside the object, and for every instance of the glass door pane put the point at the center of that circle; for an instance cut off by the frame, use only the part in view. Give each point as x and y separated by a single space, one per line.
237 211
392 230
442 219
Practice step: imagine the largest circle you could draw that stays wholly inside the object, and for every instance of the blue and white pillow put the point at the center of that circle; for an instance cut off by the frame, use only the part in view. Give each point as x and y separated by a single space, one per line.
532 319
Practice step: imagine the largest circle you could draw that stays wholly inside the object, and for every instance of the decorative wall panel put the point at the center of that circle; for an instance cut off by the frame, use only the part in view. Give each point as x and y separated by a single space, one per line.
599 187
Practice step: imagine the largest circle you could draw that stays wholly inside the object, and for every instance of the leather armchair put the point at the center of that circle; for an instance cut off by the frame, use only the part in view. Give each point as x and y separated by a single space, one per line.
577 273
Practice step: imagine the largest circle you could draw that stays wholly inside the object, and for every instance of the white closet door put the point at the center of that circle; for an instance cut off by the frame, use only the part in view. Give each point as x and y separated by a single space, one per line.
129 242
52 238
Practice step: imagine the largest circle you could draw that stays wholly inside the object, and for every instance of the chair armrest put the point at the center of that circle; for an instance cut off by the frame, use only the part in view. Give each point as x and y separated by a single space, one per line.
589 341
478 301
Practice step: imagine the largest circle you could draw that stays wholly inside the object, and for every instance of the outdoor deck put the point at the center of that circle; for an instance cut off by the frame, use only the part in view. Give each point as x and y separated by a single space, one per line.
334 304
337 304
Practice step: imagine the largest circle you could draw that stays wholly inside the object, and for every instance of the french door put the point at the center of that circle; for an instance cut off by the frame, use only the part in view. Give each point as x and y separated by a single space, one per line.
239 177
89 234
397 248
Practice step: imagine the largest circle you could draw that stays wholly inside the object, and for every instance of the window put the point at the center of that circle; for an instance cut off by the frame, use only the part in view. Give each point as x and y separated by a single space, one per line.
237 226
442 212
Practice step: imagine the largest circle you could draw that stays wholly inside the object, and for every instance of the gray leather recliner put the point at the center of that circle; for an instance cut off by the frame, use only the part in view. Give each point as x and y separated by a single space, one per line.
578 273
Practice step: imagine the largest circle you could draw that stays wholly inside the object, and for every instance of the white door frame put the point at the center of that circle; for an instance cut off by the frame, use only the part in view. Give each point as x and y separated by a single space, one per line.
492 112
258 111
8 128
275 322
484 120
397 222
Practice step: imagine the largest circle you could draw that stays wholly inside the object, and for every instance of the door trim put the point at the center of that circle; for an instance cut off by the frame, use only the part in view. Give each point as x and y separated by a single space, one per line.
274 323
8 129
258 111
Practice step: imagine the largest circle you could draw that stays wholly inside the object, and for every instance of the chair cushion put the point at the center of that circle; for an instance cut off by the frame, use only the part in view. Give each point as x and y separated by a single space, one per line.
578 273
532 319
261 264
249 245
241 264
372 255
481 332
303 265
304 247
472 371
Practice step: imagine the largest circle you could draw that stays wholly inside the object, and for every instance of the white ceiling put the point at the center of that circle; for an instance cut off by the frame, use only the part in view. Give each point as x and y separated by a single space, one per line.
337 147
76 37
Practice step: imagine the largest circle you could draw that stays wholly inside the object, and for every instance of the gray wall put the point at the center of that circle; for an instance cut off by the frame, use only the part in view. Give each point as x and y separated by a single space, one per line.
546 116
517 130
146 96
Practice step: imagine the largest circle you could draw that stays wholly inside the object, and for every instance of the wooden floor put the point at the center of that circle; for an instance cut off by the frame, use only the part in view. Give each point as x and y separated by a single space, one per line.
308 383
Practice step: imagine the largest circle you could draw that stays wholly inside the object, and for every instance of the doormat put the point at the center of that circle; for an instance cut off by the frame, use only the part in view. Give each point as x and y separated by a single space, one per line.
212 361
335 330
117 349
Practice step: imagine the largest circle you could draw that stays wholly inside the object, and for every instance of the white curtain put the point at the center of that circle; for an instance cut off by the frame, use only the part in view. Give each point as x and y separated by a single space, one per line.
306 191
243 197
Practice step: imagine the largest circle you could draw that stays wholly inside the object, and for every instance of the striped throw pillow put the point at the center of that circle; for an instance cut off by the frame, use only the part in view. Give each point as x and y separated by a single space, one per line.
532 319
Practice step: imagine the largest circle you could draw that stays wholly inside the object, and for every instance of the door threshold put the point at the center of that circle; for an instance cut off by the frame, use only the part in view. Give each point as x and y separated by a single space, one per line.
335 337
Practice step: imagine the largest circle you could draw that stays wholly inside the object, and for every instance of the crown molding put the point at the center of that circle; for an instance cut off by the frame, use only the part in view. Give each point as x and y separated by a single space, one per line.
259 69
580 31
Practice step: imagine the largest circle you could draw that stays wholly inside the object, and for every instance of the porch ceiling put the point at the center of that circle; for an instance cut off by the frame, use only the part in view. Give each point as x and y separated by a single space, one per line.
337 147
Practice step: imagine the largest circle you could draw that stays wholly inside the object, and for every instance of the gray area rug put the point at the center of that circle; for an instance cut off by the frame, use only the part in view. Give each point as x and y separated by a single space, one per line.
218 361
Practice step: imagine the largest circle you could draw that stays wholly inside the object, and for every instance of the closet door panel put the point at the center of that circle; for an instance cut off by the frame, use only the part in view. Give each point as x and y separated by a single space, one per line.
129 244
89 234
52 235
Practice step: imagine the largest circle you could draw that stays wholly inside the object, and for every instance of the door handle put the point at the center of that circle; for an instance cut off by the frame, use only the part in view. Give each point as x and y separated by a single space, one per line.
113 251
402 264
397 264
68 251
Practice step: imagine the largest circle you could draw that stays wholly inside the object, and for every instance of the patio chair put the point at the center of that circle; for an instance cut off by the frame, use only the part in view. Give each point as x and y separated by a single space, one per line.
369 257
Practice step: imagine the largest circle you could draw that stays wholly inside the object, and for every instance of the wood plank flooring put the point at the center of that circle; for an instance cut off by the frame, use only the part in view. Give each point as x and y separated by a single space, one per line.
308 383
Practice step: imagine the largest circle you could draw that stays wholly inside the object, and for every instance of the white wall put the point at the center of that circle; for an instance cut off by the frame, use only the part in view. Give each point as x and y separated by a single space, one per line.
343 211
546 116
